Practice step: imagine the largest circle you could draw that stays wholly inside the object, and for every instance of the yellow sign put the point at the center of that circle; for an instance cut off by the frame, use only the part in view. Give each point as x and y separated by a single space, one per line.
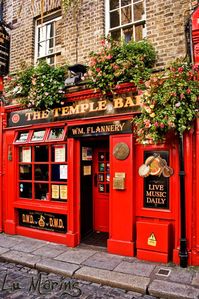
152 240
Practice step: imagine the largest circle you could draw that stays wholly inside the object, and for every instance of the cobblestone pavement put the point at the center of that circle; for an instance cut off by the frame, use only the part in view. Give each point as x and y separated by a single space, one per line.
18 282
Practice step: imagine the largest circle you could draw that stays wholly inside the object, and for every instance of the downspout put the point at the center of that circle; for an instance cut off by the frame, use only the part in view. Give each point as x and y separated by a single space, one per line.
183 254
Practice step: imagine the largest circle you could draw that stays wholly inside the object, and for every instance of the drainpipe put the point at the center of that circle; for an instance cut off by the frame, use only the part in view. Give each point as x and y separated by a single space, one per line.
183 254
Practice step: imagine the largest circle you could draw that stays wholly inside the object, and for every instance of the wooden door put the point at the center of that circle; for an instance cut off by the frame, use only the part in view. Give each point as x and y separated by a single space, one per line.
101 179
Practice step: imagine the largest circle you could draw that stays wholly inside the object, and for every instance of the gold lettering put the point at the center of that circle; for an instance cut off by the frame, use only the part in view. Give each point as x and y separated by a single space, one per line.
92 107
36 115
56 112
29 115
129 102
64 110
118 103
84 107
102 105
61 225
74 110
45 114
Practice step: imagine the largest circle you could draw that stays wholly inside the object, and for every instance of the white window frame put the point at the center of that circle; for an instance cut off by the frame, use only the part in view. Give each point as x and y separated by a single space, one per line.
133 23
37 26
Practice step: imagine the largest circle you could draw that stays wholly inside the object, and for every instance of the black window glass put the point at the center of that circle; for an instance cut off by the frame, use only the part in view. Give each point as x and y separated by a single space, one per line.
41 153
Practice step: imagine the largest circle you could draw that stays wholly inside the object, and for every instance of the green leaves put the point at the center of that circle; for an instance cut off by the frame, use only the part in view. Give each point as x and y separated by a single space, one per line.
117 63
170 103
40 86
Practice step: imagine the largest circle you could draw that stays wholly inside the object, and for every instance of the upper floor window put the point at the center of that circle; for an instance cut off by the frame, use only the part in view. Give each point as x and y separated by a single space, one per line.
125 19
48 39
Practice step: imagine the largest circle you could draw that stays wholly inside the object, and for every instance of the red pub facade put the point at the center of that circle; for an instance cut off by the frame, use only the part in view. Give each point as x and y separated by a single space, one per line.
77 170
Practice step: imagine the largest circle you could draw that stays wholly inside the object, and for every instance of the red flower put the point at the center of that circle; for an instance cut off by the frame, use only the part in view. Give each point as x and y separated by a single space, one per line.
180 69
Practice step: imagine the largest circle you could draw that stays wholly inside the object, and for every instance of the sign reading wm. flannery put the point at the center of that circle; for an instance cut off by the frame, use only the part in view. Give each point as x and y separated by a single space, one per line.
75 110
107 128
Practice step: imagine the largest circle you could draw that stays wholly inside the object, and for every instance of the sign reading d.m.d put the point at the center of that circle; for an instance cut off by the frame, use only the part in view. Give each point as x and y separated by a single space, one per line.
4 51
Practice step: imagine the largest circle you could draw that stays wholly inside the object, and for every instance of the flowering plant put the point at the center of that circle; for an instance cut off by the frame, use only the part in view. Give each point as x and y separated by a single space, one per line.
170 102
37 87
120 62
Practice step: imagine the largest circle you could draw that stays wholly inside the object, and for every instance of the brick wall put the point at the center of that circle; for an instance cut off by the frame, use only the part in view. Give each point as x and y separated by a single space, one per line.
165 29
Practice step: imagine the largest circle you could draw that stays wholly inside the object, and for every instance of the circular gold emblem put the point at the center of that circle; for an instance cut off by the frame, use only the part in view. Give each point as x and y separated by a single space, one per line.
121 151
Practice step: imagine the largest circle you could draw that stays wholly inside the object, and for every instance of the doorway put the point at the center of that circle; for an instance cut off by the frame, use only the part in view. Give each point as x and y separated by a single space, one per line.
95 179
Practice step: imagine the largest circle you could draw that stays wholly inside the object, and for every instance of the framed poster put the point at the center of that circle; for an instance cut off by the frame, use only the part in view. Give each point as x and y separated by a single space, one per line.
55 191
63 170
63 192
60 153
26 154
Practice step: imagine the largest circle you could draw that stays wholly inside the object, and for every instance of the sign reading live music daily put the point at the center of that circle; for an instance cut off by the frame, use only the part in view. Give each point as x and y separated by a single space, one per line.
156 182
76 110
43 221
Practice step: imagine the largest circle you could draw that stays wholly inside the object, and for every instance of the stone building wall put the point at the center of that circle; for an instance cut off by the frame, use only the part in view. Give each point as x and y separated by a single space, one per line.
165 29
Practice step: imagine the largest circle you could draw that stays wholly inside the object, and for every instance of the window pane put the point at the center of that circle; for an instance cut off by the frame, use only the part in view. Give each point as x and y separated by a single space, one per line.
38 135
138 11
41 191
50 31
50 46
128 34
25 154
116 35
56 133
25 172
114 19
114 4
22 137
50 60
25 190
41 172
139 32
59 153
59 173
41 153
126 15
41 49
125 2
42 33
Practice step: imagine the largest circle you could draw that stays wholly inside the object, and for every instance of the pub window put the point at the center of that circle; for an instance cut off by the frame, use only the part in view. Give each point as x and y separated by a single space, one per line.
22 137
38 135
48 39
56 134
43 169
125 19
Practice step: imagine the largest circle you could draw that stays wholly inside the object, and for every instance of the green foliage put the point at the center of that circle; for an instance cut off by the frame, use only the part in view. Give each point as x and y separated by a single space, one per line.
169 103
38 87
120 62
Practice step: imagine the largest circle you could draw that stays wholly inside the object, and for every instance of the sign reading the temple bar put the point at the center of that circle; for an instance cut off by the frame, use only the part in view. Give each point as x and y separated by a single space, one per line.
106 128
44 221
156 180
4 51
77 109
